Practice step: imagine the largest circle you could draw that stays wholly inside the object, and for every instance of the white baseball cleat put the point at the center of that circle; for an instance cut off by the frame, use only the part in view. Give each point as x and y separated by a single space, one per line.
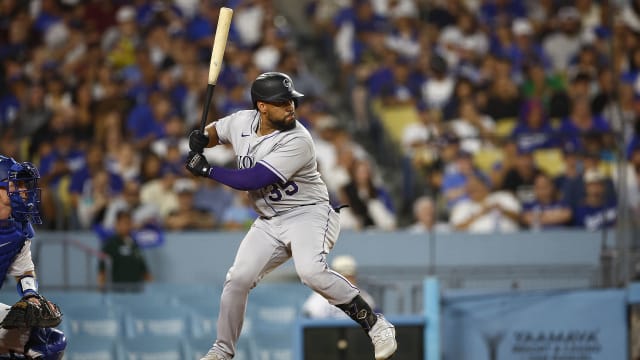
214 355
383 337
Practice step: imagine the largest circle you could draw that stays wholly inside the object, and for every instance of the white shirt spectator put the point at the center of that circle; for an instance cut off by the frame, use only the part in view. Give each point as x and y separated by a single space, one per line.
469 134
491 222
248 22
436 92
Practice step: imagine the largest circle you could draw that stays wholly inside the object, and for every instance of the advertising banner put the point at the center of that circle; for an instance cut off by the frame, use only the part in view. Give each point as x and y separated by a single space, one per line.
576 325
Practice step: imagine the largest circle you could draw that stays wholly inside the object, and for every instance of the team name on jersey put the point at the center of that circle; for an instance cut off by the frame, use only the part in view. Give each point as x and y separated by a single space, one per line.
245 161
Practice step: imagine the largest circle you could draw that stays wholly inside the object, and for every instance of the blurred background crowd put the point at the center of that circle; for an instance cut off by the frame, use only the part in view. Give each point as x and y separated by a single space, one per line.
445 115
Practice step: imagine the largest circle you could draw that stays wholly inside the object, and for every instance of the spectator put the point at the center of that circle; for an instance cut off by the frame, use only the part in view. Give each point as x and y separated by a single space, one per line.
126 163
464 90
597 211
399 90
426 217
119 42
484 211
533 130
174 130
470 42
503 99
129 270
317 307
454 183
520 178
546 210
186 216
564 43
525 49
213 197
81 186
151 167
145 121
476 130
581 121
369 204
538 84
159 193
90 205
438 88
142 213
420 151
631 189
561 101
239 215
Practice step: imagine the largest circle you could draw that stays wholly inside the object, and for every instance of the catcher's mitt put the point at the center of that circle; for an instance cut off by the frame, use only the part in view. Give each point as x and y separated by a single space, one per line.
26 314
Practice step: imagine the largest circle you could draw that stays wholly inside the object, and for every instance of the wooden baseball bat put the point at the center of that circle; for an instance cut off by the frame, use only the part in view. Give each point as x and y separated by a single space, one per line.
217 54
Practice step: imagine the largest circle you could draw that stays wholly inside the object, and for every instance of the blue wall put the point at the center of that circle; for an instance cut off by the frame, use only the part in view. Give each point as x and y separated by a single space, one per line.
204 257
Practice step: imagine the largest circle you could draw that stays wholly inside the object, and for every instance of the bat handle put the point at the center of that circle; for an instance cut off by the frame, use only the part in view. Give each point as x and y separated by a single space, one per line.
207 105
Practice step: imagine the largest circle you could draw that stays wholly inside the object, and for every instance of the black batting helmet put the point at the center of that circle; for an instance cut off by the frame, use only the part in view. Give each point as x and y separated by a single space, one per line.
273 87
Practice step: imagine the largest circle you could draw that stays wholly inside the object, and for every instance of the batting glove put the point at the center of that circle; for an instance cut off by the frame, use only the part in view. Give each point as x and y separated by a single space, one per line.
197 164
198 140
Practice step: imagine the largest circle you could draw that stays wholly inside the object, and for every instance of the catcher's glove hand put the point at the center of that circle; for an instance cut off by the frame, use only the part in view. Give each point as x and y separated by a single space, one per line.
27 313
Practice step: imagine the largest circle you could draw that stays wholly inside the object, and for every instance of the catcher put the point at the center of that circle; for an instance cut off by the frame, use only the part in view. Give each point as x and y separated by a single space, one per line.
26 328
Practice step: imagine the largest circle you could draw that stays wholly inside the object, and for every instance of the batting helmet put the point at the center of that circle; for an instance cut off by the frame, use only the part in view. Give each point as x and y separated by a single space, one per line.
273 87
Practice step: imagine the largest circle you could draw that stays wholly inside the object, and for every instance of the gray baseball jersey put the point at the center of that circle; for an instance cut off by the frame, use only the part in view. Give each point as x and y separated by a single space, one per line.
289 154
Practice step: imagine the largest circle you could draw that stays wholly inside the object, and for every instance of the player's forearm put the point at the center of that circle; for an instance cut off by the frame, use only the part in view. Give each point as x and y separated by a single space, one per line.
253 178
212 134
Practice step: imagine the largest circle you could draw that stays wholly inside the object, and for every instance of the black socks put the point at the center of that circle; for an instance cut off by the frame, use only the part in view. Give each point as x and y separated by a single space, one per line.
360 312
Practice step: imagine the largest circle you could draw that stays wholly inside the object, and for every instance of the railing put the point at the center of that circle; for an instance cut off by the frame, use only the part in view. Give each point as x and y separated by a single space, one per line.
66 246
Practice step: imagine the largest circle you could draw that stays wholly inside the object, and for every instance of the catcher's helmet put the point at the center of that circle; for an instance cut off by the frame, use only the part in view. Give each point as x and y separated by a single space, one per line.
25 196
273 87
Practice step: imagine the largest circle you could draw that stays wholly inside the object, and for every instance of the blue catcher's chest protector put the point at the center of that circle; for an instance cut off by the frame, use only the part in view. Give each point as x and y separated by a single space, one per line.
13 235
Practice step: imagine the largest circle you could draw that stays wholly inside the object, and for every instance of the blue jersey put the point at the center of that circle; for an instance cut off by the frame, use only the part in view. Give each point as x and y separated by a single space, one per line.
13 236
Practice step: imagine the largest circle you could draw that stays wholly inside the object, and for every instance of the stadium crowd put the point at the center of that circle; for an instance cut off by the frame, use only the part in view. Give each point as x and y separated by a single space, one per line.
520 111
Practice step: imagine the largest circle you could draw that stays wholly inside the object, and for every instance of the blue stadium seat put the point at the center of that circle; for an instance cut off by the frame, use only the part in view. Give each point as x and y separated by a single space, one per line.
93 320
274 307
157 320
148 347
205 314
91 348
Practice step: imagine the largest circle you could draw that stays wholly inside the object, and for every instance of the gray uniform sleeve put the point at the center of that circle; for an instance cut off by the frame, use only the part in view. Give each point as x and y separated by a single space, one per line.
223 128
286 159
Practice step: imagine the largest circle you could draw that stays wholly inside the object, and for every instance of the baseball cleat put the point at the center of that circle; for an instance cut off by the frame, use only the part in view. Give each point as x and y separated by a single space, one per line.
383 337
214 355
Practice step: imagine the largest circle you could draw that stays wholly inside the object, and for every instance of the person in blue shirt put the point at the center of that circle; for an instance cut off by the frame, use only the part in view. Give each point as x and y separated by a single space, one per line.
19 198
580 122
534 130
546 210
597 211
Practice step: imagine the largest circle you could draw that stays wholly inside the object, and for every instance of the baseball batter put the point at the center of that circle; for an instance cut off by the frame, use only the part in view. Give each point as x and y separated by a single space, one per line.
276 164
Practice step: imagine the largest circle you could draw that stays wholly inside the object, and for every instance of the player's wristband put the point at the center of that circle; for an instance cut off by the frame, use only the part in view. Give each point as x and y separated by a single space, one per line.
27 285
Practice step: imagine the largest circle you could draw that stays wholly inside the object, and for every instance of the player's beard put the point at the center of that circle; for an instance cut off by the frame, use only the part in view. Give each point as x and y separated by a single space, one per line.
284 124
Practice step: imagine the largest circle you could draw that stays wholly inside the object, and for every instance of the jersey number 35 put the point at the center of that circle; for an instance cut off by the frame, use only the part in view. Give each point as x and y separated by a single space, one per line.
276 190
